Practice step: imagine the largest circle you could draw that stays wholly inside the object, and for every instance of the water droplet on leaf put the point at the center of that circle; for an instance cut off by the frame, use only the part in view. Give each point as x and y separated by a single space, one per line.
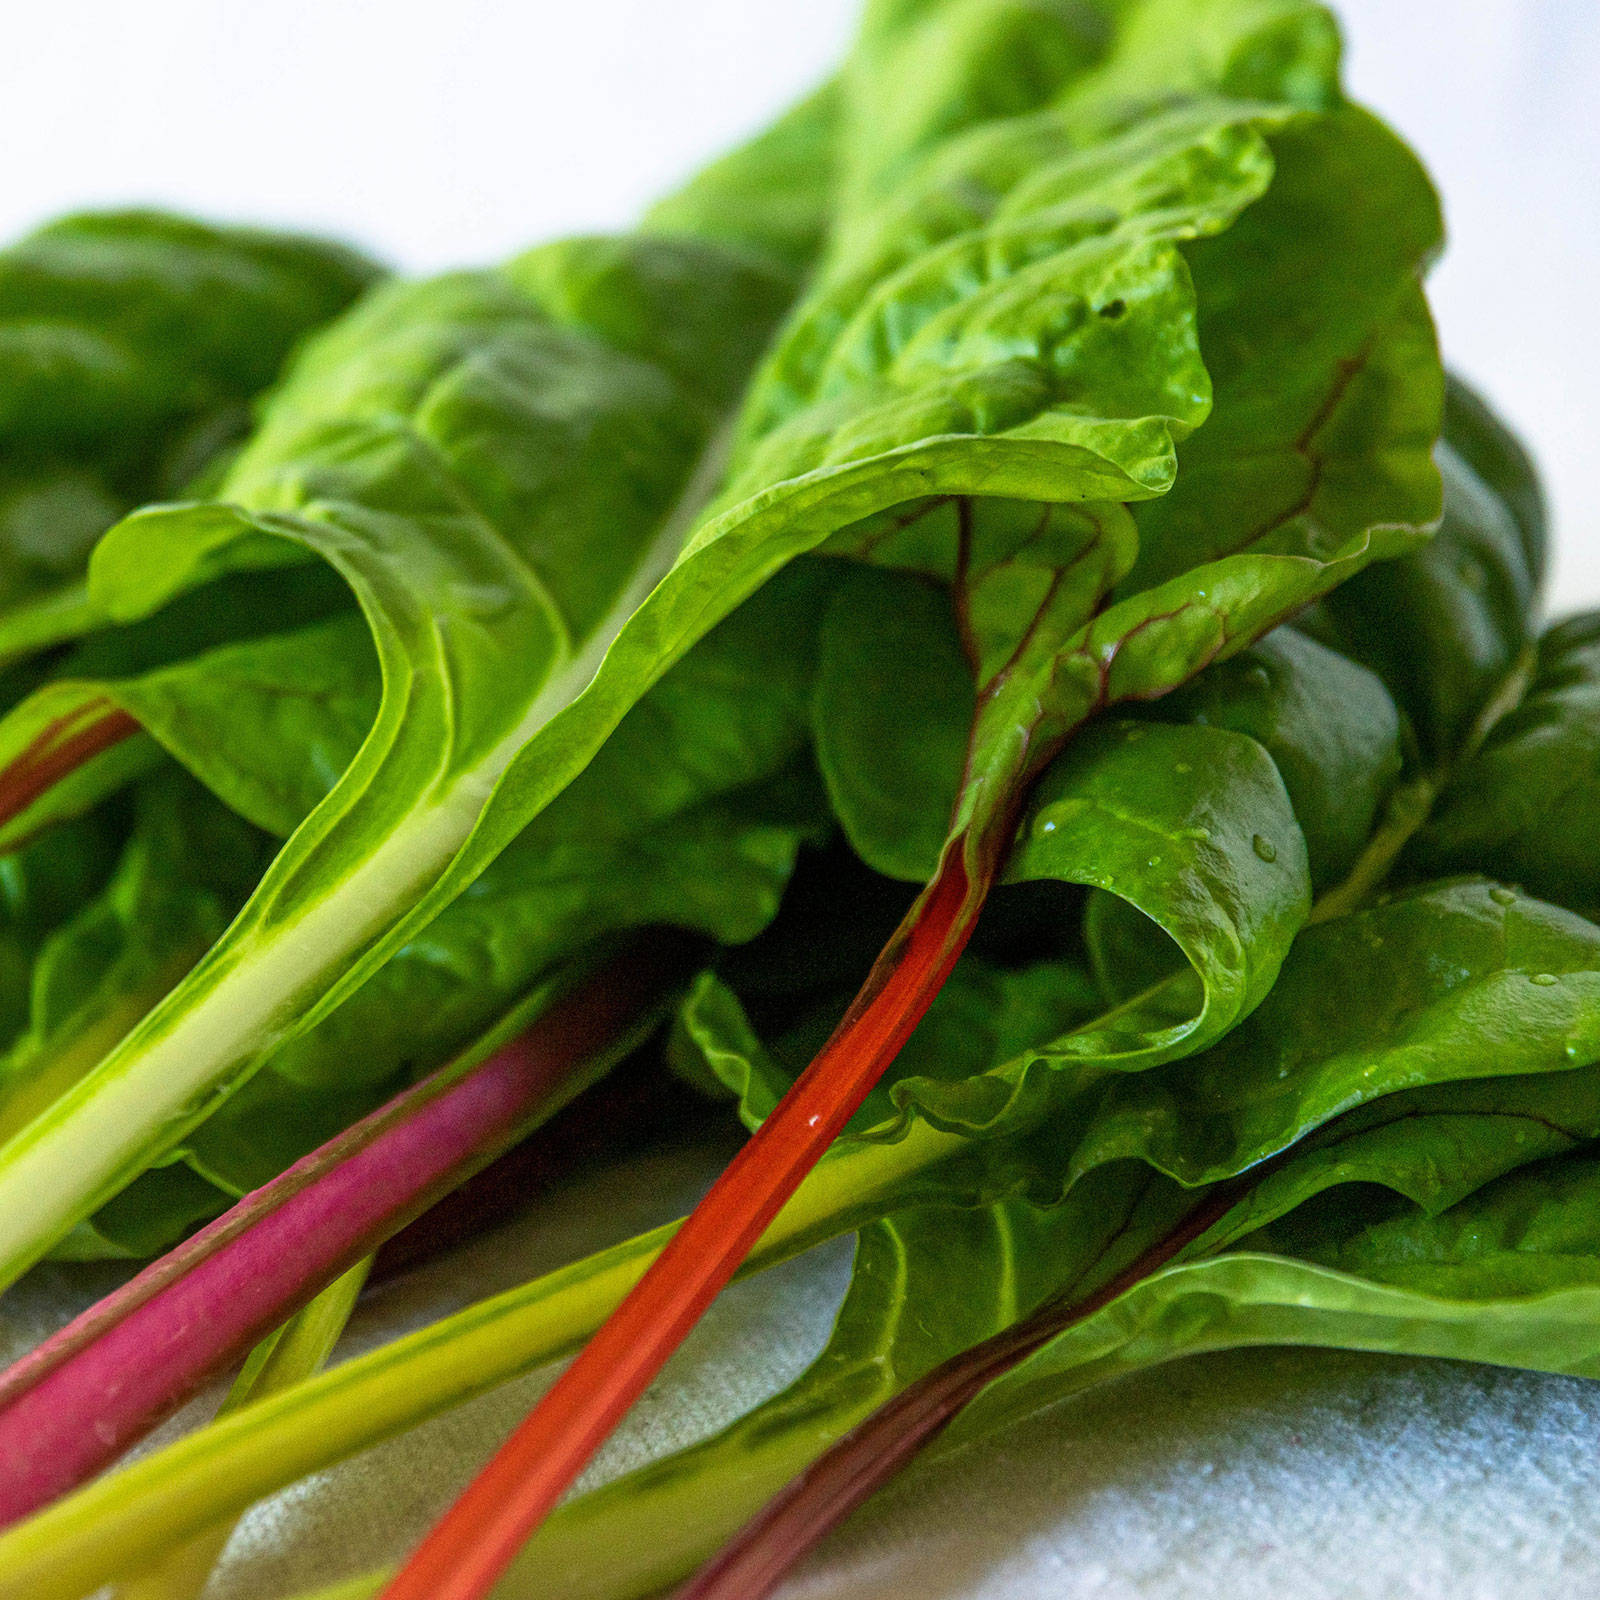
1264 847
1055 816
1545 980
1502 897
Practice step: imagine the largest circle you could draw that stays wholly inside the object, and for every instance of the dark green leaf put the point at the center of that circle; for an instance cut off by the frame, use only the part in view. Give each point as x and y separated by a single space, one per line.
1526 806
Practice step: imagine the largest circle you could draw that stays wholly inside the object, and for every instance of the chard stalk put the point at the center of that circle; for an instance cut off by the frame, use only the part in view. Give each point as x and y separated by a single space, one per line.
799 1517
125 1520
286 1357
466 1553
75 1403
59 749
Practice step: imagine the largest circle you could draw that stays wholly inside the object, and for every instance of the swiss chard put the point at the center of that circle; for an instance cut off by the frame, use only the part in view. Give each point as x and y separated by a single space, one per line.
1078 519
132 344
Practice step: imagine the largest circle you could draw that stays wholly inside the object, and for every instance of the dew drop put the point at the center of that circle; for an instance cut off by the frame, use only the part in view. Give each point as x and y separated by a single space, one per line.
1264 847
1545 980
1055 816
1503 897
1574 1050
1198 835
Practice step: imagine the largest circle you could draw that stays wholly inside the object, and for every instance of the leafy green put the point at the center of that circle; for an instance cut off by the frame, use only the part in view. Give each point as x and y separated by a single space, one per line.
1482 1205
131 346
1448 626
1524 806
479 367
690 817
1317 451
40 887
1054 357
925 1284
1329 725
185 869
504 465
1506 1276
1432 1027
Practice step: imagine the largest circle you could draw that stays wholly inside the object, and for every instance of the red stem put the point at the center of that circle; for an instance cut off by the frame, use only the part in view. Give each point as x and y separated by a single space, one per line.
797 1519
59 749
465 1554
81 1398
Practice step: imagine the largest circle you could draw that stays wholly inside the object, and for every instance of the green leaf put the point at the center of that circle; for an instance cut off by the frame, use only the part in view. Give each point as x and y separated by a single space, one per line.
510 440
1434 1023
1316 460
1447 983
894 700
772 195
1509 1276
502 466
1523 807
131 345
1189 825
932 1283
186 867
1329 725
41 886
1448 626
168 671
690 817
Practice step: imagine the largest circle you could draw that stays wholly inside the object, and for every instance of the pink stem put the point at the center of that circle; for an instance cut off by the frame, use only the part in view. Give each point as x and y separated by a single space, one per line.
84 1396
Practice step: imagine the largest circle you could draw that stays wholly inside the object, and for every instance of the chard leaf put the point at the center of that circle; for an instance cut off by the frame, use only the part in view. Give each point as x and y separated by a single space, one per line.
689 817
1316 459
131 346
1524 806
1507 1276
1382 1061
1329 725
186 867
70 743
925 1284
1443 984
455 449
1440 985
40 888
1192 827
1449 625
512 442
1333 733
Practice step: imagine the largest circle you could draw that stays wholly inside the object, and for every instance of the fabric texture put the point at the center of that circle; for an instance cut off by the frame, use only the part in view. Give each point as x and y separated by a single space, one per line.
1322 1475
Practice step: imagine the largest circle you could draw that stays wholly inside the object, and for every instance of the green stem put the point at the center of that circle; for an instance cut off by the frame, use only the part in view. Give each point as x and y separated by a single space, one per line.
121 1523
285 1358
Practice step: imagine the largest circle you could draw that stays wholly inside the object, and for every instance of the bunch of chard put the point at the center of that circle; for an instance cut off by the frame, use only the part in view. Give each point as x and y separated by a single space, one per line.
985 612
